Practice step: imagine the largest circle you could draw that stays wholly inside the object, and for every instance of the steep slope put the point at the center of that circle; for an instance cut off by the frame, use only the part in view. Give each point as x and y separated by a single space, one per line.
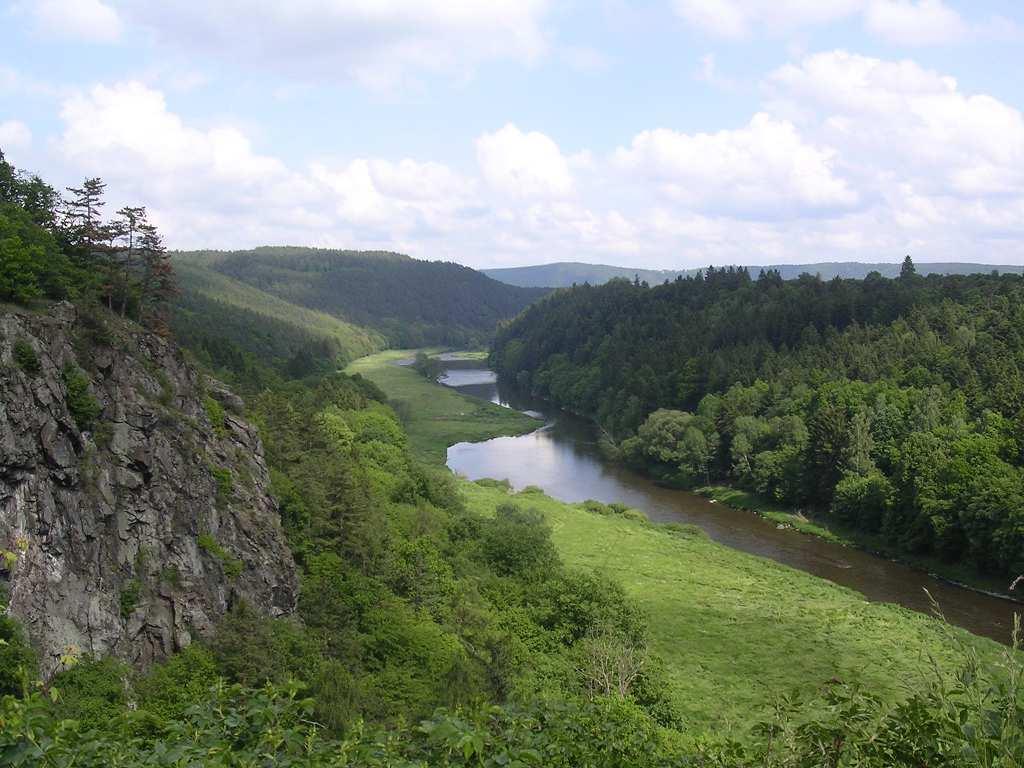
134 503
214 308
564 274
412 302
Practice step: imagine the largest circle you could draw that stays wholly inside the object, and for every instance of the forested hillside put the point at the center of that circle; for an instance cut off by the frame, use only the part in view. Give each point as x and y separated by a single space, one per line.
566 273
243 332
431 626
411 302
894 405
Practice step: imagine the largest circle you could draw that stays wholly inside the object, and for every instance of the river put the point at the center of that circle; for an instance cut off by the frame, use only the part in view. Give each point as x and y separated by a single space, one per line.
562 457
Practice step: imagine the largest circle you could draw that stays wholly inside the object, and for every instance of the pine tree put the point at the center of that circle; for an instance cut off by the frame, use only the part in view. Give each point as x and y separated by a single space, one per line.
908 270
159 286
131 220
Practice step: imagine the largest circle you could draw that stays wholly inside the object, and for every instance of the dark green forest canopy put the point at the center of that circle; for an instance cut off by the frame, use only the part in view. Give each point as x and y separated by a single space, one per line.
412 302
897 405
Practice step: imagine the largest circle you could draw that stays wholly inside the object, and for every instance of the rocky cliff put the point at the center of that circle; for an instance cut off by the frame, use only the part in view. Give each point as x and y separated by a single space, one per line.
134 504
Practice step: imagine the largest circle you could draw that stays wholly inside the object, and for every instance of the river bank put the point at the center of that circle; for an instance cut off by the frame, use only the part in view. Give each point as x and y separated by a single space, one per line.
958 575
727 625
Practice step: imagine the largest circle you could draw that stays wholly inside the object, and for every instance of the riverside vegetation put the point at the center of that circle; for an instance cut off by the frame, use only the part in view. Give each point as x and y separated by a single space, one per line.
894 407
441 623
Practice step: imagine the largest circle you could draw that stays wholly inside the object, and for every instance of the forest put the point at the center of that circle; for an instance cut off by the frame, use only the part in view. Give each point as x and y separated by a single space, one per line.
413 303
430 632
895 406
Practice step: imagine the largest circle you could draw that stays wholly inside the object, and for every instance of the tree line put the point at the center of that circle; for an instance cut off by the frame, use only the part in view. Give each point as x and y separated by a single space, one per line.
60 246
896 406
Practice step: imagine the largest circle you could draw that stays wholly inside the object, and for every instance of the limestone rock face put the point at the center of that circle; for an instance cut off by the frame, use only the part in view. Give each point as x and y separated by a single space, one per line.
132 532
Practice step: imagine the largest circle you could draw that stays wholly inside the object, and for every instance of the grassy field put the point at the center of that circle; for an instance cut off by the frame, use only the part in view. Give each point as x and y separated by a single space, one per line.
435 416
736 630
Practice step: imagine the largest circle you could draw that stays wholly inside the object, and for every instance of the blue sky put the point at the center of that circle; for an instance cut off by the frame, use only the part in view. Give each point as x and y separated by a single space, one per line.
665 133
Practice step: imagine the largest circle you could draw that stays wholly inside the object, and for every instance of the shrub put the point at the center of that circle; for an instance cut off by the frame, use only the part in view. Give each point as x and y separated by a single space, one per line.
92 692
82 405
517 542
215 413
170 688
232 565
26 357
17 659
130 594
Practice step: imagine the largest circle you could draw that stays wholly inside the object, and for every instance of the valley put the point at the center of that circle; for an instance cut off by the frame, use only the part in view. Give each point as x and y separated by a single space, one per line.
748 616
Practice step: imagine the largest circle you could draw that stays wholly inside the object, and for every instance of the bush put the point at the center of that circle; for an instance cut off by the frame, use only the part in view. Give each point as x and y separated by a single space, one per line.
251 649
92 691
170 688
130 594
26 357
232 565
215 413
517 542
82 405
17 659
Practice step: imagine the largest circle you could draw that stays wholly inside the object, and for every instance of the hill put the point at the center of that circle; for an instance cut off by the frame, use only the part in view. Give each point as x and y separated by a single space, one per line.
891 406
234 327
564 274
410 302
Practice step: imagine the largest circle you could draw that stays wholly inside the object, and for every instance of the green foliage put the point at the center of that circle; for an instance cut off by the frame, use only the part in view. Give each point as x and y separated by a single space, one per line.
92 692
232 566
31 263
168 690
428 367
225 484
83 406
412 303
25 357
17 658
517 542
892 406
215 413
251 337
130 594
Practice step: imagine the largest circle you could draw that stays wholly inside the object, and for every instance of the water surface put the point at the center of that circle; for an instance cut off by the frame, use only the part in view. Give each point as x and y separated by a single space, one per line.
562 457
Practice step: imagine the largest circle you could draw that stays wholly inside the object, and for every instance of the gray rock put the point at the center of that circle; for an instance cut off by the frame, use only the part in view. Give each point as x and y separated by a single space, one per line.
106 525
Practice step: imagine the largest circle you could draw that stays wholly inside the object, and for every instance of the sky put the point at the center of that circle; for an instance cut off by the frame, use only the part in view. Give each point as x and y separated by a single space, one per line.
655 133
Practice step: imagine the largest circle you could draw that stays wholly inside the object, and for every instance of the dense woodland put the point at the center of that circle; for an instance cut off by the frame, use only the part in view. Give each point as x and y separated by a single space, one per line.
894 405
413 303
427 634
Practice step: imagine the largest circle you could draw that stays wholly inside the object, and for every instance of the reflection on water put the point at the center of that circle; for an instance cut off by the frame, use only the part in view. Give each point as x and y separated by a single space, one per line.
563 458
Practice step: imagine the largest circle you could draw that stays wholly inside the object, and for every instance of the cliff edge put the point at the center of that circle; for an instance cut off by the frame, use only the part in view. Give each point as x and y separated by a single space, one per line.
134 501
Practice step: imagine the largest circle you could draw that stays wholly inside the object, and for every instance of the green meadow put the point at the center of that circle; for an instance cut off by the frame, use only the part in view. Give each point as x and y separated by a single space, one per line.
434 416
735 631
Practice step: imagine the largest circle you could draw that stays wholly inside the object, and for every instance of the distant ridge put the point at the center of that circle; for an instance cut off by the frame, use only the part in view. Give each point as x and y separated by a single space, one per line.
565 273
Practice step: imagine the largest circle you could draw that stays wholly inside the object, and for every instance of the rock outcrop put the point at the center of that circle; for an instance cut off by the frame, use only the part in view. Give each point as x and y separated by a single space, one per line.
134 502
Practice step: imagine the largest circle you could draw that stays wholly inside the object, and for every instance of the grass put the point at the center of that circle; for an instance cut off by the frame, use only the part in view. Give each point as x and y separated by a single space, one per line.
436 417
736 630
849 537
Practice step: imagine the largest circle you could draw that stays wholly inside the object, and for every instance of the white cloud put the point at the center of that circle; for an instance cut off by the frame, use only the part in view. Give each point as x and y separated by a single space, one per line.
850 157
14 134
904 22
915 22
900 121
765 169
739 19
379 43
523 164
88 20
